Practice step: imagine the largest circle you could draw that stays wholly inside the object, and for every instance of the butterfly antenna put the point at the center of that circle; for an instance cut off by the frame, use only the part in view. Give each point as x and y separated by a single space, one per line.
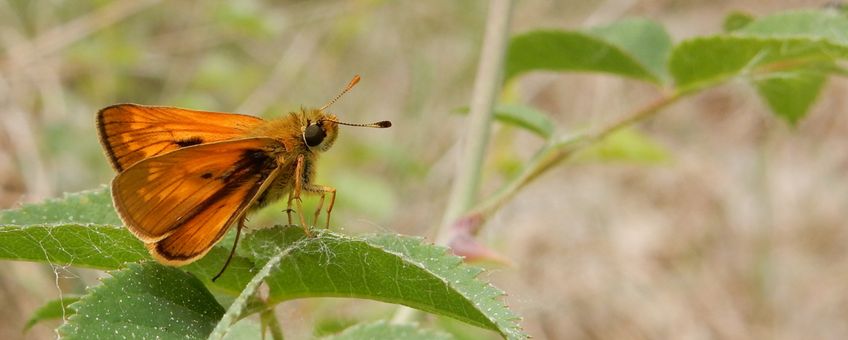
349 86
380 125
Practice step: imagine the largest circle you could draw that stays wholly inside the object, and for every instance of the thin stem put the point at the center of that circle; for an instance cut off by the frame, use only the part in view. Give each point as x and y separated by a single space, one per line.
270 320
486 86
639 115
555 152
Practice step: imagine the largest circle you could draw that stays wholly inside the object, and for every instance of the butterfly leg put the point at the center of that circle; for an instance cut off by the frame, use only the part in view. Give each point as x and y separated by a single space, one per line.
295 195
323 190
233 250
318 210
289 209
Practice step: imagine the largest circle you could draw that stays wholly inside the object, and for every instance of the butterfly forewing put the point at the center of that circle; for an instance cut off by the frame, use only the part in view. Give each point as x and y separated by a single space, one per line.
131 132
182 202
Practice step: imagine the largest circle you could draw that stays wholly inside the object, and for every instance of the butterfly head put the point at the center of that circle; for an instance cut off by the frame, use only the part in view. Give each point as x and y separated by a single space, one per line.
320 129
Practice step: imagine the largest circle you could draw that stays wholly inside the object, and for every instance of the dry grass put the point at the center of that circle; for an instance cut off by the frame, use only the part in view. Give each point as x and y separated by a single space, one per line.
742 236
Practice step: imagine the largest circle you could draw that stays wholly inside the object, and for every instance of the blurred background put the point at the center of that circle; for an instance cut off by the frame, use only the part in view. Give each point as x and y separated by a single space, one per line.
740 235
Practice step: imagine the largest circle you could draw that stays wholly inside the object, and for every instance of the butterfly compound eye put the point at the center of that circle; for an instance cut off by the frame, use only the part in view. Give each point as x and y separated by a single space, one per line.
314 135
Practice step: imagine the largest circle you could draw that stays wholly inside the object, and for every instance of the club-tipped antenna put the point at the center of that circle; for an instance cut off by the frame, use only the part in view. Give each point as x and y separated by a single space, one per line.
349 86
380 125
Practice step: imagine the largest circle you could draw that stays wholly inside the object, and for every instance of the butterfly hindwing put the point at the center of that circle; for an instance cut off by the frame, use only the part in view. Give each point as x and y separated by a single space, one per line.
182 202
130 132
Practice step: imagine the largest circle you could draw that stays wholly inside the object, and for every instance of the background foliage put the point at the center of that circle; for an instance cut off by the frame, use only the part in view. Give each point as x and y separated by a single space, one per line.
737 230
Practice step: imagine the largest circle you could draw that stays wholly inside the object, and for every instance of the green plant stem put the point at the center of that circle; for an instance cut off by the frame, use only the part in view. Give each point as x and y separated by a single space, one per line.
556 151
486 87
270 320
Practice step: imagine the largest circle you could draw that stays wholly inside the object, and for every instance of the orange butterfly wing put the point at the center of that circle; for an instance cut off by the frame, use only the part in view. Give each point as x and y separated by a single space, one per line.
181 203
131 132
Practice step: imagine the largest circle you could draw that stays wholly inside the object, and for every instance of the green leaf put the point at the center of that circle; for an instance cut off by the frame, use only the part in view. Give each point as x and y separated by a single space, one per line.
777 43
553 50
387 268
90 246
93 206
82 229
702 62
629 145
332 325
145 300
109 247
645 40
828 25
790 94
525 117
52 310
736 20
235 277
522 116
788 72
457 275
385 330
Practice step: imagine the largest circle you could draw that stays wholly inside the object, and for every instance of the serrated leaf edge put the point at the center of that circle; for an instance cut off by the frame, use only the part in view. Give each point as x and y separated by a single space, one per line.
507 324
89 294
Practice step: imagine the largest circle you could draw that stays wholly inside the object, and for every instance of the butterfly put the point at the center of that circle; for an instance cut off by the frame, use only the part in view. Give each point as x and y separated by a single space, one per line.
186 176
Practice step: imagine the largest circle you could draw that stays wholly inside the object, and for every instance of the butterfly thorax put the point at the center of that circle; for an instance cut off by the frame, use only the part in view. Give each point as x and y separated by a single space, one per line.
304 133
